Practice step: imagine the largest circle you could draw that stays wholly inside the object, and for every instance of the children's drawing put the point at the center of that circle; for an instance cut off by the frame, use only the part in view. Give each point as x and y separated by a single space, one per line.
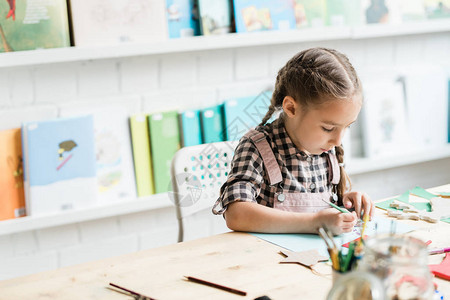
384 119
16 167
256 19
108 156
64 148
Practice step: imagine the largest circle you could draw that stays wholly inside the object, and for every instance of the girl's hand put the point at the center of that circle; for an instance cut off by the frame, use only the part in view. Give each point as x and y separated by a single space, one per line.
360 201
336 221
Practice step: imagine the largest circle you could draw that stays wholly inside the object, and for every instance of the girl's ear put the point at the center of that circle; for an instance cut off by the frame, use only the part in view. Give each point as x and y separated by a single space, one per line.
290 106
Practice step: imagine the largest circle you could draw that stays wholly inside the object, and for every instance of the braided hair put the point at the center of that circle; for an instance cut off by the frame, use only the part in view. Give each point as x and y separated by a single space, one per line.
312 77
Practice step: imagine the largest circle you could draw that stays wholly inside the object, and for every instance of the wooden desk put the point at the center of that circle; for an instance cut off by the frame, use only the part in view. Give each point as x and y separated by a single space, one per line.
238 260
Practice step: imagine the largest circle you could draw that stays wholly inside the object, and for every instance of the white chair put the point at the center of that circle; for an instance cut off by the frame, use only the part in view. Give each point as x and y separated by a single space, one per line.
197 174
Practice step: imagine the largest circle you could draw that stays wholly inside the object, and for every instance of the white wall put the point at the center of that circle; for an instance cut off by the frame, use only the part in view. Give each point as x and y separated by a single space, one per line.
185 80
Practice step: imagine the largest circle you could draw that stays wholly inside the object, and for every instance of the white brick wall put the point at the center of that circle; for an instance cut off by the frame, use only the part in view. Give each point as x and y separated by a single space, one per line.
196 79
251 63
178 71
139 75
21 86
55 83
97 78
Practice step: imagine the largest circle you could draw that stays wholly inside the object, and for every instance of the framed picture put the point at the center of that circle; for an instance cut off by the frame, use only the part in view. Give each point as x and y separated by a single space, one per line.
385 130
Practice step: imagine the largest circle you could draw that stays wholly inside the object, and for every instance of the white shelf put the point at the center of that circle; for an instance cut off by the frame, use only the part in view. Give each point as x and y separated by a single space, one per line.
190 44
385 30
204 43
366 165
76 216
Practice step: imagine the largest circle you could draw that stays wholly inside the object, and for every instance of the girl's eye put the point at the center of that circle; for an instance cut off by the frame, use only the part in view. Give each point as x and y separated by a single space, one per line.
327 130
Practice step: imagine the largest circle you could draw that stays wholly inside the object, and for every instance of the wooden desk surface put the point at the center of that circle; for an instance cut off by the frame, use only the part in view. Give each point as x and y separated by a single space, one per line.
238 260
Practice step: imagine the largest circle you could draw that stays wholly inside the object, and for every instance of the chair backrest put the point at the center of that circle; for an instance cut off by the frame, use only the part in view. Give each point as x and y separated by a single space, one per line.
197 174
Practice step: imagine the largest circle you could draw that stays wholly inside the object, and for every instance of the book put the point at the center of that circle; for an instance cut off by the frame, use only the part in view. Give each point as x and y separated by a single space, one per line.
377 11
412 10
182 18
215 16
252 15
190 128
12 197
141 155
427 123
436 9
164 143
310 13
28 25
115 22
114 158
212 122
385 128
344 12
59 160
242 114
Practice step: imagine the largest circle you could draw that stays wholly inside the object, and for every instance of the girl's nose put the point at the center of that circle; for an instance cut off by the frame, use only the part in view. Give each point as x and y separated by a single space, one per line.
337 138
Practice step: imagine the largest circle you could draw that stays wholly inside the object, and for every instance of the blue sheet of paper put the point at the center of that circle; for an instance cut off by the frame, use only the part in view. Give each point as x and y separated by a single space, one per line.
302 242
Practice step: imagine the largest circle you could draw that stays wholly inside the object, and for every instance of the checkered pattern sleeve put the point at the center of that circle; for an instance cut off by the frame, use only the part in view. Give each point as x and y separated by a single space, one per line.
245 178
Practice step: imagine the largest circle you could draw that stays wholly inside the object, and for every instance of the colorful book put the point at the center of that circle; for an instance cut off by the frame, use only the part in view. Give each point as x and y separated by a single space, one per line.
310 13
377 11
114 22
115 171
244 113
164 143
182 18
253 15
28 25
212 121
436 9
190 128
215 16
59 159
141 155
344 12
12 197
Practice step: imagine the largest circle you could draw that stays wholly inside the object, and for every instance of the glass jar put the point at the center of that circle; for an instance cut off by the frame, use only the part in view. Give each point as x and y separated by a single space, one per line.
357 285
401 262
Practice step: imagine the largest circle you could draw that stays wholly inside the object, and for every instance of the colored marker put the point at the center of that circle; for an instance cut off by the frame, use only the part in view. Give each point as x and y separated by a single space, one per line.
438 251
341 209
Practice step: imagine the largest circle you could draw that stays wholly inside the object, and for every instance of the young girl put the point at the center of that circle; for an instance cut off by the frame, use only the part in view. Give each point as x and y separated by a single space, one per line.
284 174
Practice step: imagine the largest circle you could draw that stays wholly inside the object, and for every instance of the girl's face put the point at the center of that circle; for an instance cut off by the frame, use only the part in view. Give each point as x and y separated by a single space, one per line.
319 128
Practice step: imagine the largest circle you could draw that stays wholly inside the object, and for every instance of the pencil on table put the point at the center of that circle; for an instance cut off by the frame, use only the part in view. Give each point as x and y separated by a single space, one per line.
215 285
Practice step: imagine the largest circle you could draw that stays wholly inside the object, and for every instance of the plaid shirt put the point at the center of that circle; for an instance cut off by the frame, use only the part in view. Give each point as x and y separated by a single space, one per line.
249 181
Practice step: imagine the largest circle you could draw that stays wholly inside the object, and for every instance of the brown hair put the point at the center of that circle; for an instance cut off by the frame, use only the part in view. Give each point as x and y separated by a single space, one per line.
312 77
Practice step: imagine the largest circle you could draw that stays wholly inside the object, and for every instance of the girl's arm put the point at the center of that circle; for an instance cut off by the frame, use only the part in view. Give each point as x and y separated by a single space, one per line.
253 217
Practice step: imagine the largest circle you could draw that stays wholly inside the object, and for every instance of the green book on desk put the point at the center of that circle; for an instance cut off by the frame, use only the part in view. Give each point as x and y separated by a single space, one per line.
164 143
141 155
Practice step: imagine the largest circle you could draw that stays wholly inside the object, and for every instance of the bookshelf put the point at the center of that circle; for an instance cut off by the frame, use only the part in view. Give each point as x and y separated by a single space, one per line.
228 41
200 44
158 201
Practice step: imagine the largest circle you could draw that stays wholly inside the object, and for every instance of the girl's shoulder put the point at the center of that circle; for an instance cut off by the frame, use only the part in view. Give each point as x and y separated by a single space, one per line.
267 131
